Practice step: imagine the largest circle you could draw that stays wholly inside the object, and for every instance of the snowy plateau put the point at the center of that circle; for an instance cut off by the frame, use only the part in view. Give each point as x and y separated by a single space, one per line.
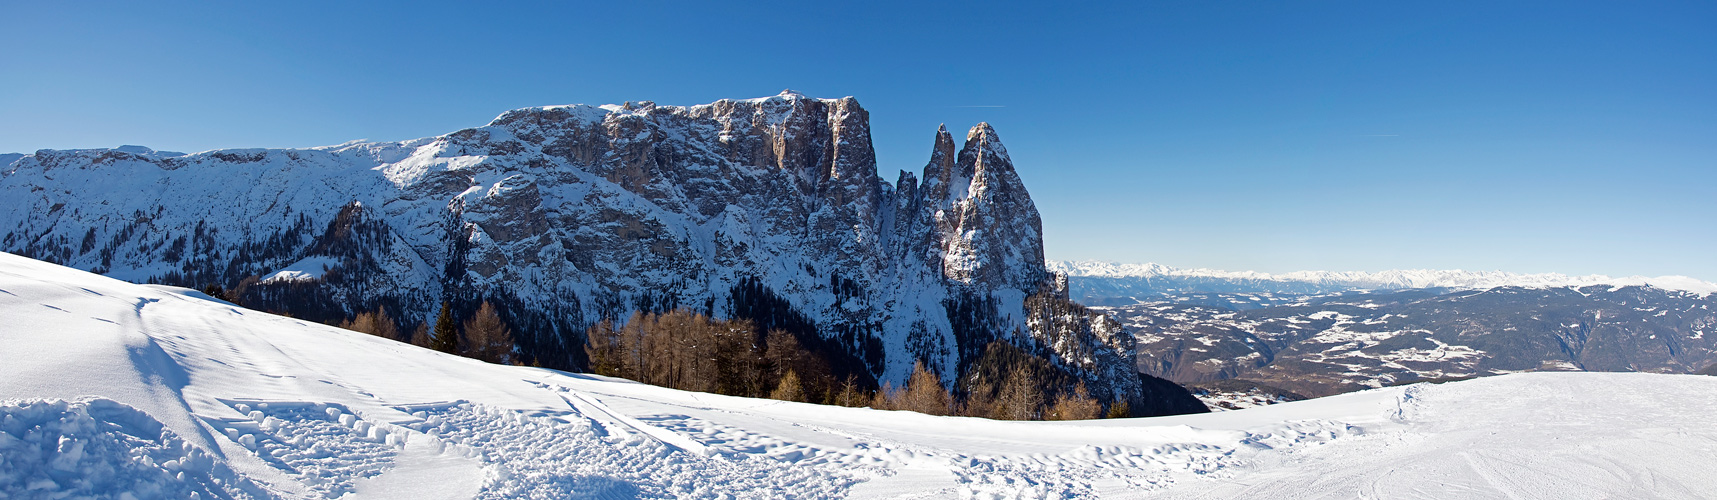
117 390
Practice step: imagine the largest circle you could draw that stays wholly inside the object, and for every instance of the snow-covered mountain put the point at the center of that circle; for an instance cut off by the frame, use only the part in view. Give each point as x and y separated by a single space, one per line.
1321 333
770 208
1321 345
116 390
1110 283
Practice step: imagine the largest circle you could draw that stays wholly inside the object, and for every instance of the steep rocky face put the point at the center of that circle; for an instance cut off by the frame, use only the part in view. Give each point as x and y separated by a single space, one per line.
768 208
990 231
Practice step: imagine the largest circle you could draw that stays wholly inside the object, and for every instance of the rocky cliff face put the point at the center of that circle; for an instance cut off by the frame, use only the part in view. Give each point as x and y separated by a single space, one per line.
767 208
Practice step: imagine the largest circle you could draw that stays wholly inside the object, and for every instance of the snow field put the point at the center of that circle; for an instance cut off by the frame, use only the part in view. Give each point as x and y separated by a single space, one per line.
192 398
322 446
560 457
98 448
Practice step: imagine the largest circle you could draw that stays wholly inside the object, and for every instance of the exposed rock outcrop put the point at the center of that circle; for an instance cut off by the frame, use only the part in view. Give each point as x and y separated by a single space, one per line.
564 215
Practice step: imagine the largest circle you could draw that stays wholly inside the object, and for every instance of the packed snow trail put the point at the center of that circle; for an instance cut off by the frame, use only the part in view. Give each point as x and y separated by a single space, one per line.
124 391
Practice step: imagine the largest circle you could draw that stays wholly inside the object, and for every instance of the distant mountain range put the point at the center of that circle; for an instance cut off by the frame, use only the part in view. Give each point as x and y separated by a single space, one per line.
1320 333
1110 283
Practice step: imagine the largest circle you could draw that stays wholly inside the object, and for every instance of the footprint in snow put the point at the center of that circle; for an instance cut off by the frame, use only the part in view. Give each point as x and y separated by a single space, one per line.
323 446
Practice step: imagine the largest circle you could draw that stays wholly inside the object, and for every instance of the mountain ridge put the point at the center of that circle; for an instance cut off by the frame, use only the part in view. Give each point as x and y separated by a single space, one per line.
564 215
1386 280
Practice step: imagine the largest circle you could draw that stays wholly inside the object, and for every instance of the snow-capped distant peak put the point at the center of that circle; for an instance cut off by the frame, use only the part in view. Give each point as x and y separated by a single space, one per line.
1390 279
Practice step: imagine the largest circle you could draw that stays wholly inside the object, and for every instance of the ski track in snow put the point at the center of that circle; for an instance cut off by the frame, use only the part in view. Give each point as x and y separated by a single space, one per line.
113 390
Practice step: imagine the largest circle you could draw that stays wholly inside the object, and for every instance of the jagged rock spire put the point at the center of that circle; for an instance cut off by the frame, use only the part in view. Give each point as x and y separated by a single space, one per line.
989 231
940 176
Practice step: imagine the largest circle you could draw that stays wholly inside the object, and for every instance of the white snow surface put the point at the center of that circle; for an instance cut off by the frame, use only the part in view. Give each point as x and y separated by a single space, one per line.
115 390
1390 279
309 268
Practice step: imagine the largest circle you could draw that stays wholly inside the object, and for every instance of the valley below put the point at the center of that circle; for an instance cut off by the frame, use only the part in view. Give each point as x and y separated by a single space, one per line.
1317 338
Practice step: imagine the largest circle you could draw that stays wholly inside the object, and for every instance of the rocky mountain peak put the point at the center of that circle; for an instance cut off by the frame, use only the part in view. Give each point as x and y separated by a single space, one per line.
980 131
991 230
561 216
987 152
939 173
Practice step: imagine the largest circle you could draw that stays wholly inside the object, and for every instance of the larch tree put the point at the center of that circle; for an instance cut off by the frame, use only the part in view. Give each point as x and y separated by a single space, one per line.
1020 398
487 336
789 389
420 336
1078 405
376 323
1119 409
925 394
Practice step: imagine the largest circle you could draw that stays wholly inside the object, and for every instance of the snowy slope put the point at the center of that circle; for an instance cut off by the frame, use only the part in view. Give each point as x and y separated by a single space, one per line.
1165 278
173 395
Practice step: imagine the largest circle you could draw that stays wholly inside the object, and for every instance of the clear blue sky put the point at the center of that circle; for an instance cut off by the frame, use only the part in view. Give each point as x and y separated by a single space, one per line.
1533 137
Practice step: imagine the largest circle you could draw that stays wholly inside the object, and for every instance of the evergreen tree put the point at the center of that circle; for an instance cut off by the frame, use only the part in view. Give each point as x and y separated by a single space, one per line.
446 334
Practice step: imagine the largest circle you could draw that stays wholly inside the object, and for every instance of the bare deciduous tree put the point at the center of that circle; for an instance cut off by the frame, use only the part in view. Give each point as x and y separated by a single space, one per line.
1020 397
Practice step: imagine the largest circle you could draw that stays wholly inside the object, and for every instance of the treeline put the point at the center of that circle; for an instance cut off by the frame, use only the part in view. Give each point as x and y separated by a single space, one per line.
691 351
484 336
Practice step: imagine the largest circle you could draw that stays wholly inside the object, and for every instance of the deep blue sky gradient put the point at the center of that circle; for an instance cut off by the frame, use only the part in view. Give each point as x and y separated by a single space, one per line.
1566 137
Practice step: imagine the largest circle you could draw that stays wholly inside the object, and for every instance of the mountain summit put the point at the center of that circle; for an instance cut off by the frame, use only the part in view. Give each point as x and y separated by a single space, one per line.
767 208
